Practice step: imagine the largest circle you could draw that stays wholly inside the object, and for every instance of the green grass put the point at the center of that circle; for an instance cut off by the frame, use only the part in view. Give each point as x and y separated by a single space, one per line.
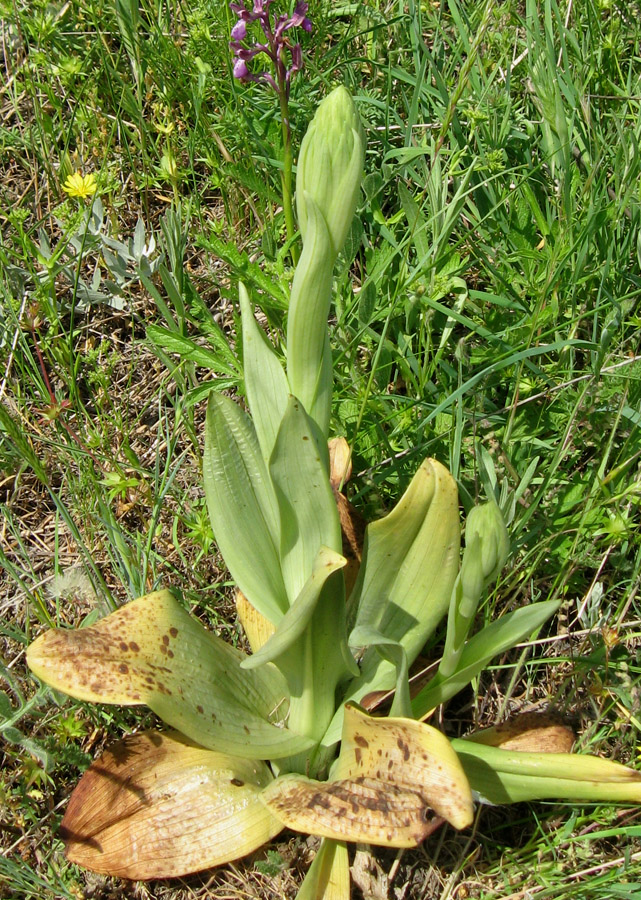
486 313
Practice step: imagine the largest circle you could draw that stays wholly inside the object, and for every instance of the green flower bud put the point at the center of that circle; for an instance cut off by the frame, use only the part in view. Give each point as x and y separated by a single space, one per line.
330 165
487 539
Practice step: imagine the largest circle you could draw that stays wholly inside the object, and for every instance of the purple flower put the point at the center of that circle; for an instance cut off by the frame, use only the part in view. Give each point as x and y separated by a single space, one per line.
278 46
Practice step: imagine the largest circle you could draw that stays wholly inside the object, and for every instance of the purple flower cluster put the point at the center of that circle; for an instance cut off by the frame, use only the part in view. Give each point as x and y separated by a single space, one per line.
277 43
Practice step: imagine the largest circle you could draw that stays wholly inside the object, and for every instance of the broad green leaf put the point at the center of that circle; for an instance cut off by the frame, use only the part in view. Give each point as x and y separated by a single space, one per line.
328 876
410 755
509 776
387 544
265 380
308 372
153 652
308 515
410 563
297 618
494 639
159 806
242 506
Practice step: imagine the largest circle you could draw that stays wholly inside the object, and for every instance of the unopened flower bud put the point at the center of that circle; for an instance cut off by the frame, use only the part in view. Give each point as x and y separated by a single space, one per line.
330 165
487 541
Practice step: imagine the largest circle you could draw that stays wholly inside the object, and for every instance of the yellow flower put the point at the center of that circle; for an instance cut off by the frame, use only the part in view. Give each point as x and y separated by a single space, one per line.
79 185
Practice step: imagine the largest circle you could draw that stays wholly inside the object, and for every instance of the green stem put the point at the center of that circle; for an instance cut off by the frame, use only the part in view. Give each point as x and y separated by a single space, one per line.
286 174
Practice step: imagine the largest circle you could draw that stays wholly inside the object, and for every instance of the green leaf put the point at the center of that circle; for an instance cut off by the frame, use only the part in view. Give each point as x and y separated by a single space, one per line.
308 514
328 876
415 222
494 639
366 636
297 618
242 506
151 651
265 380
410 563
159 806
507 776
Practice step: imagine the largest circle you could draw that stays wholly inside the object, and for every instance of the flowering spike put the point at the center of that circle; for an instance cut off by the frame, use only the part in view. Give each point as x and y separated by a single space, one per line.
277 45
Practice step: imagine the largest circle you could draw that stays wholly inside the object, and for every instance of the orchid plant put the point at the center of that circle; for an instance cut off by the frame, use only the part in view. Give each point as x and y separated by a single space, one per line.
283 737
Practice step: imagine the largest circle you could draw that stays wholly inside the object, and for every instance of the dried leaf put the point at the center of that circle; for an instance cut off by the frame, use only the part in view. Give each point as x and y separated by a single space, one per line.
156 806
528 732
353 534
340 462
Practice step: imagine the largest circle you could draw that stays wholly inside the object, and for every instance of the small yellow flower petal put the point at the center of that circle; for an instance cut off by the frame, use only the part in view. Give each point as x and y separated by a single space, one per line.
79 185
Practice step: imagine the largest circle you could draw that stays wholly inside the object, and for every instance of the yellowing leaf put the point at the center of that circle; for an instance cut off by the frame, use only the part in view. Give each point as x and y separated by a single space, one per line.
340 462
152 651
257 628
157 806
353 809
408 755
390 775
328 876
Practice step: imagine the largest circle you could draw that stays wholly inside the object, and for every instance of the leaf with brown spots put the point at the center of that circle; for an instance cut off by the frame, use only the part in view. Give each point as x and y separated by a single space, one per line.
353 809
158 806
408 755
390 774
151 651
